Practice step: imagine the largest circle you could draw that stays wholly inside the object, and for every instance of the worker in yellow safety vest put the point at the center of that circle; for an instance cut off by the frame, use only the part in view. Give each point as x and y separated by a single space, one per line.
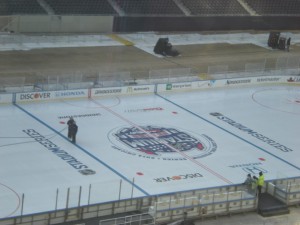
260 183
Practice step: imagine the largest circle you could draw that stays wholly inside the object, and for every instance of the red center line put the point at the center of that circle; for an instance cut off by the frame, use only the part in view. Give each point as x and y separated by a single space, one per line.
162 141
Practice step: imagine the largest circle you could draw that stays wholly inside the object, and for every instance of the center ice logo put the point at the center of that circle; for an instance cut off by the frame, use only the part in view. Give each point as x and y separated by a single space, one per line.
158 142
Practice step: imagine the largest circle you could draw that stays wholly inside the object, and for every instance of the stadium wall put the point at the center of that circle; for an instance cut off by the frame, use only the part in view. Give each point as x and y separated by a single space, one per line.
136 24
108 24
60 24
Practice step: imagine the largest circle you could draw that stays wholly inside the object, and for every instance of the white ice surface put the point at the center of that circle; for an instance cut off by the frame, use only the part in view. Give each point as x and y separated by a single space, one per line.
29 166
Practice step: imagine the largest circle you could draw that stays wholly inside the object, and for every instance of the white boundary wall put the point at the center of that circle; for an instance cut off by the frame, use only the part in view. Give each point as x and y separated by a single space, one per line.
127 90
60 24
199 85
6 98
50 95
144 89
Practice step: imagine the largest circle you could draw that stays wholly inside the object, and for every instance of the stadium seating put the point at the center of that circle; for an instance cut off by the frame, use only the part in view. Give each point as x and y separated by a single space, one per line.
275 7
153 7
83 7
149 7
13 7
215 7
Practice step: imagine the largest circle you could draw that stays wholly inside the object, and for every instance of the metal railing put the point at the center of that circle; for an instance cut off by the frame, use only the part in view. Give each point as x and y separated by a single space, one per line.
135 219
287 190
52 81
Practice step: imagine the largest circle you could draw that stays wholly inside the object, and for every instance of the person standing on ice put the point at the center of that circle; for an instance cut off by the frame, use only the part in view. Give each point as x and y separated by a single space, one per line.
69 123
73 131
288 43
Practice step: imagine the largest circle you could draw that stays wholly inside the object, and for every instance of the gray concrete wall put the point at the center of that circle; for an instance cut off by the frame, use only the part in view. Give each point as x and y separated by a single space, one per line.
61 24
205 23
4 22
109 24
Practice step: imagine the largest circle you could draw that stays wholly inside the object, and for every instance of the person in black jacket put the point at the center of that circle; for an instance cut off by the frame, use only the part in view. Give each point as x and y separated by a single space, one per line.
73 131
69 123
288 43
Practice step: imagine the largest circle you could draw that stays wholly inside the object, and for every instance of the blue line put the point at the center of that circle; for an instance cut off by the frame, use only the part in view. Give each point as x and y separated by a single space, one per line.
85 151
227 131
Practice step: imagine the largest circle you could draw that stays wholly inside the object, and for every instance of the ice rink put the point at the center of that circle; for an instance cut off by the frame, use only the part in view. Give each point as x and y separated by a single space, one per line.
131 146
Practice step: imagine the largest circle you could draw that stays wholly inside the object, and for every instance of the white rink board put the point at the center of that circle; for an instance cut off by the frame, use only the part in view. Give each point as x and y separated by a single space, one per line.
6 98
234 82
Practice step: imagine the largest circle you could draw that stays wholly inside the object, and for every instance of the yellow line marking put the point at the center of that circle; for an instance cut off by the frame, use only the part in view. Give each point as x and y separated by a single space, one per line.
120 39
205 76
